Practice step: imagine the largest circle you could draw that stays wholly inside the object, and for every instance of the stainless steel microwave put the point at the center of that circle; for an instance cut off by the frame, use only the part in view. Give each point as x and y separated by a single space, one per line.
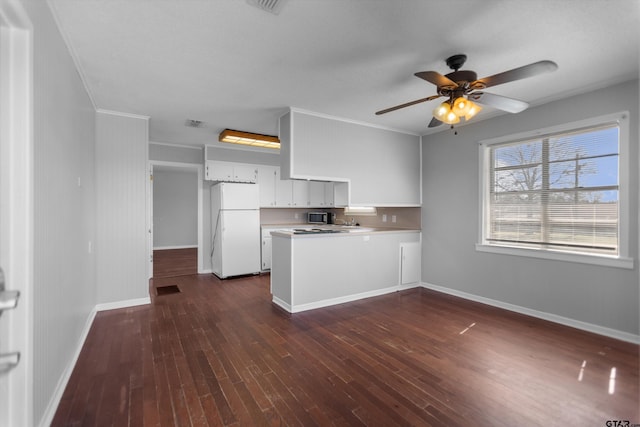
316 217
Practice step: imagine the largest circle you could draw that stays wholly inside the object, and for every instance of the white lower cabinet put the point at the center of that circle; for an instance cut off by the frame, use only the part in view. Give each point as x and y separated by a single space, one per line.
410 263
266 253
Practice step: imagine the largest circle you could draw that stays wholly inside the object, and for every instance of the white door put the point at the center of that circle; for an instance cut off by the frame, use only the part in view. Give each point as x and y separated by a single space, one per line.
16 215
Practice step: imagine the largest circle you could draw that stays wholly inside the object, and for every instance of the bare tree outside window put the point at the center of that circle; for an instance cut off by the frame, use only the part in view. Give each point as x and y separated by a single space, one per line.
557 190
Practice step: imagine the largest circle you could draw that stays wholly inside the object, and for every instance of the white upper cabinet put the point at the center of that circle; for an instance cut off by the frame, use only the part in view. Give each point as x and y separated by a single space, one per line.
300 194
288 193
382 166
320 194
284 191
267 183
216 170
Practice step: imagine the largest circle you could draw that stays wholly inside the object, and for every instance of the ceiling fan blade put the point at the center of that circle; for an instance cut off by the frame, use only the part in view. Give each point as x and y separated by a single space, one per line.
434 122
523 72
503 103
436 78
408 104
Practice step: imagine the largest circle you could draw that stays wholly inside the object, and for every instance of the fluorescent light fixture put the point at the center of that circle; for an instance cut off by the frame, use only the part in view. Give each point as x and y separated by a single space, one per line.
360 210
246 138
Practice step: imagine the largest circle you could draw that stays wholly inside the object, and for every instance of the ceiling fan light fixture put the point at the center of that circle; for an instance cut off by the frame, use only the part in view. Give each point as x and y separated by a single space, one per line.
472 111
442 110
451 118
461 105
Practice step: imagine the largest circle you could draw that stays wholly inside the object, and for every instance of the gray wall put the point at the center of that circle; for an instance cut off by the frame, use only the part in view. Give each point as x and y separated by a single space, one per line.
172 153
602 296
175 207
122 258
64 271
243 156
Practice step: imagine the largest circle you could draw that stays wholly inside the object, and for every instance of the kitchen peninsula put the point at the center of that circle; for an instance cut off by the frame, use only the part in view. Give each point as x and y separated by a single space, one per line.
313 269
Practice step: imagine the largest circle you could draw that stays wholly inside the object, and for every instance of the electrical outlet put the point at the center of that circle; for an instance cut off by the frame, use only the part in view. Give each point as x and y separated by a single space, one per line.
384 217
296 216
393 218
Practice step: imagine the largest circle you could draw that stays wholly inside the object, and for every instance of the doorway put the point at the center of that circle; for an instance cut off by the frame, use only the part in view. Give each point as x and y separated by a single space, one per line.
16 214
176 219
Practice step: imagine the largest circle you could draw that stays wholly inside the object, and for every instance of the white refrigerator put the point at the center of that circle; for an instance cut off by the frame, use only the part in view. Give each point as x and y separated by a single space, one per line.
235 227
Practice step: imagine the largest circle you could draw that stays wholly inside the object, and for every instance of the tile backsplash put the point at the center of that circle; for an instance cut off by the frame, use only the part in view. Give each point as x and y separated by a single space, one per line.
405 217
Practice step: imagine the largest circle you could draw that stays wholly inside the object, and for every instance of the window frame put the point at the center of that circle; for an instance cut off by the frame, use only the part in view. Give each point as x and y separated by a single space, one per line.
622 259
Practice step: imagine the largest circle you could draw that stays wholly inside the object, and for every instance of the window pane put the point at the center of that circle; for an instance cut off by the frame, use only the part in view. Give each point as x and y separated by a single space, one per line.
558 193
583 220
596 142
520 154
516 217
523 179
595 172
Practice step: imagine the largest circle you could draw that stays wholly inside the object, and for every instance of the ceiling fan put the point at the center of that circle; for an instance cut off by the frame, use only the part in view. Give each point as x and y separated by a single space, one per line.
462 88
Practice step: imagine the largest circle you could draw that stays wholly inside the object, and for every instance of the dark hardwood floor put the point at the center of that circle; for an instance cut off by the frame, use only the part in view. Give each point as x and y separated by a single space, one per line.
175 262
218 353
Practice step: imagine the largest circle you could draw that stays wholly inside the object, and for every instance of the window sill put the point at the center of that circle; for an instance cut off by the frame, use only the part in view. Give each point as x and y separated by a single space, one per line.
604 261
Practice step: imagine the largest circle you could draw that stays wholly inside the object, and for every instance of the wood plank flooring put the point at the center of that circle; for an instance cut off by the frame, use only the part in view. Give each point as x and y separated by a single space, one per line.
175 262
220 354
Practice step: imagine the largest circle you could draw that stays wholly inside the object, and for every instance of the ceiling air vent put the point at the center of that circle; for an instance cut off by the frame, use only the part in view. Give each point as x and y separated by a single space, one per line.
193 123
271 6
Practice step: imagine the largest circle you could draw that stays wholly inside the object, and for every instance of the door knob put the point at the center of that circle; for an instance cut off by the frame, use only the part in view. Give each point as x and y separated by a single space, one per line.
8 299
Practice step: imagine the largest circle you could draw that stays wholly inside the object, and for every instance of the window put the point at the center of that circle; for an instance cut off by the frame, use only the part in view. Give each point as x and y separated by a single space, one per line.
556 191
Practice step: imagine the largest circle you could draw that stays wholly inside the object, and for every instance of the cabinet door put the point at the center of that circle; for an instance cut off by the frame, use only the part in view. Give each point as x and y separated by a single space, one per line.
340 194
328 194
244 173
300 197
218 171
316 194
266 253
267 183
410 263
284 191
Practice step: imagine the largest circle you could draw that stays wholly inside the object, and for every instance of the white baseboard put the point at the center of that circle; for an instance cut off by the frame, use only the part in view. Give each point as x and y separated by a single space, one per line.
340 300
163 248
123 304
52 407
589 327
409 286
283 305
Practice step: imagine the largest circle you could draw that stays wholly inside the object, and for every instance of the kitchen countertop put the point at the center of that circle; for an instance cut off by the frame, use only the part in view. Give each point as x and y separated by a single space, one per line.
335 231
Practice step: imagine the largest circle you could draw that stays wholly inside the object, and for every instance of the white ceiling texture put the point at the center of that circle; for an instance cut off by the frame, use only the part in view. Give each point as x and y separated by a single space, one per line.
232 65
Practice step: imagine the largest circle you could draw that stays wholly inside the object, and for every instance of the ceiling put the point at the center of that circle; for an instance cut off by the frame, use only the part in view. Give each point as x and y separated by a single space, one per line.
232 65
